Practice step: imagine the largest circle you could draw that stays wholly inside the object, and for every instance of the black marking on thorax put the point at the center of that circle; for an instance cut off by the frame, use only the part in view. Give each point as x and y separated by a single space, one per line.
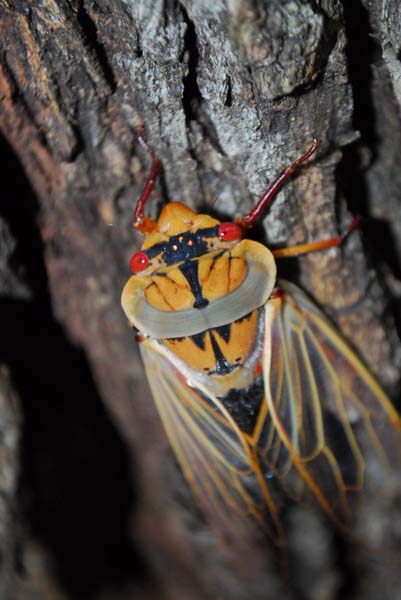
224 331
222 366
199 339
243 405
190 271
185 248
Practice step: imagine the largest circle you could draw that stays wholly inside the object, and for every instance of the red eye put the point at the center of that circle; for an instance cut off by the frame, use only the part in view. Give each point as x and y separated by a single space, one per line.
139 262
228 232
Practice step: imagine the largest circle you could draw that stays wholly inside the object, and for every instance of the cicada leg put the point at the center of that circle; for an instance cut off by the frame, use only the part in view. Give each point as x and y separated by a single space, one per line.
140 221
314 246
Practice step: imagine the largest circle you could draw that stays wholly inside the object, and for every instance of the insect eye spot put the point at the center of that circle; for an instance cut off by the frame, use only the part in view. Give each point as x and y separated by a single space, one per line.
229 232
139 262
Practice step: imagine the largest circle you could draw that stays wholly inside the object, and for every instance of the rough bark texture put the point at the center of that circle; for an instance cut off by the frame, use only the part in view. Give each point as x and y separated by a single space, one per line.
229 91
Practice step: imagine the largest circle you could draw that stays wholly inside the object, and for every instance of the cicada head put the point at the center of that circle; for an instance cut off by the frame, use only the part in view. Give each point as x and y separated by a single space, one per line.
198 270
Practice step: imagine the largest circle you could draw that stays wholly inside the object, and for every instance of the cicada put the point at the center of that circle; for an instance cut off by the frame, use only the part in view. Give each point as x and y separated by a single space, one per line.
259 395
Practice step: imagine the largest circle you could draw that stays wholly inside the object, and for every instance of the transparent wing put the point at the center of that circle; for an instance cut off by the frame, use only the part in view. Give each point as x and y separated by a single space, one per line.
327 412
215 456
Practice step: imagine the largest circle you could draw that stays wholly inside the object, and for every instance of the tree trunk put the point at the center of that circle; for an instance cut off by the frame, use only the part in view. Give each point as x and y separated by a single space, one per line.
228 93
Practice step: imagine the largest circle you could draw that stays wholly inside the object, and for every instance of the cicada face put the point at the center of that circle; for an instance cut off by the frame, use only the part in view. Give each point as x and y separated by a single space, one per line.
187 272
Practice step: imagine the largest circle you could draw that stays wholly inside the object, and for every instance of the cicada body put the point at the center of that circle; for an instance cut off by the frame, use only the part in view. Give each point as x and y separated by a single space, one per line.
258 394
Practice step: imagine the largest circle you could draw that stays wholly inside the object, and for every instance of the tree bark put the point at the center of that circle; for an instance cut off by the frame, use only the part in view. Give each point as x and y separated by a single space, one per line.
229 92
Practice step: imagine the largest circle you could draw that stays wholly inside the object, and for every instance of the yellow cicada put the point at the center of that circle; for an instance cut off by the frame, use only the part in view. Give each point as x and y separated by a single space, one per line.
258 393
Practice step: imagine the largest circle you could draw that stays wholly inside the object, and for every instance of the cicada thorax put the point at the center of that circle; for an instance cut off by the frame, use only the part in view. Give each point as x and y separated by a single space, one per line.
200 296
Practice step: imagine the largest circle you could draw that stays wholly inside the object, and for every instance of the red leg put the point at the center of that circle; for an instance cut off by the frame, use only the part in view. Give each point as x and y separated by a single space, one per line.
140 221
314 246
248 220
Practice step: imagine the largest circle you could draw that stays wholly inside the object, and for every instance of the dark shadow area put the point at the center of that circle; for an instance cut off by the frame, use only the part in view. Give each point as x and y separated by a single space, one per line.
91 38
192 99
75 491
363 52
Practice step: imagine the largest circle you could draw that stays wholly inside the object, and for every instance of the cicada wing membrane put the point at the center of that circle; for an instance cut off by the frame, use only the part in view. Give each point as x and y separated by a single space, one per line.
324 405
214 455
